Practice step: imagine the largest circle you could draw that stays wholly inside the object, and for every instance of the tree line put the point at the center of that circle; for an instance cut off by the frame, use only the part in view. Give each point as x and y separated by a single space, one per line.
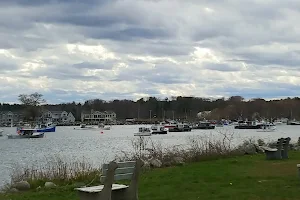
168 108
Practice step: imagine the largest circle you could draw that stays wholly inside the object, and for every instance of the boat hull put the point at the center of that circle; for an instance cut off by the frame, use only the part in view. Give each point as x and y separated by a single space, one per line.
142 134
159 132
48 129
41 135
248 127
204 127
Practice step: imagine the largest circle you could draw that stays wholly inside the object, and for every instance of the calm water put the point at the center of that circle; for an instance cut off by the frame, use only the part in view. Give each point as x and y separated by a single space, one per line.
97 148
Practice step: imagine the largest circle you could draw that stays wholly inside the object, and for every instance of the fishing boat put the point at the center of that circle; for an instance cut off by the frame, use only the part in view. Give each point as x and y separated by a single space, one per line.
267 128
26 133
143 131
85 127
48 127
204 125
159 129
181 128
103 127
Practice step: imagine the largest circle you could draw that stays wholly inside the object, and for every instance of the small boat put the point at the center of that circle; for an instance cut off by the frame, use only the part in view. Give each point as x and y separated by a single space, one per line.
26 133
267 128
49 127
181 128
1 132
159 129
143 131
204 125
84 127
103 127
249 125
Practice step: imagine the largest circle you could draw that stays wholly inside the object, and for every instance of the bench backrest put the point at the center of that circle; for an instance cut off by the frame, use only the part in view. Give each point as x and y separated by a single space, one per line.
124 171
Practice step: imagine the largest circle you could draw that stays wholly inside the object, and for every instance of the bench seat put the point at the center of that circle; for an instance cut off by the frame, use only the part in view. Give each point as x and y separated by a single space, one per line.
99 188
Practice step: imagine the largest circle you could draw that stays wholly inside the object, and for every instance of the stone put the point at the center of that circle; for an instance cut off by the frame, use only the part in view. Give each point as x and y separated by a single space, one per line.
22 186
178 160
13 190
38 188
155 163
49 185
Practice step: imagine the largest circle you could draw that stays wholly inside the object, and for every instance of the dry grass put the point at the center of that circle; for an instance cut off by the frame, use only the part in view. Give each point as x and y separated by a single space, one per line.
57 170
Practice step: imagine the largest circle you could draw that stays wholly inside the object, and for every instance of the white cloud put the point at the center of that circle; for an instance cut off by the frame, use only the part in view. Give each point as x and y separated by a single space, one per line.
131 49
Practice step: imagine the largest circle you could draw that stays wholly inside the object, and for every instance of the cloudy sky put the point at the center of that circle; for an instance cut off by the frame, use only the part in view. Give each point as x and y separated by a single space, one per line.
74 50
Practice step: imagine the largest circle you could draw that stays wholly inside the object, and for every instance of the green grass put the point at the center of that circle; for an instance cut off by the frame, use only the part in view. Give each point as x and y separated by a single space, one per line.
240 178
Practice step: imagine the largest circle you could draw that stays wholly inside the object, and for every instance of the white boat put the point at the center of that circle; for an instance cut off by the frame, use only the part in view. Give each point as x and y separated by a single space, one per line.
103 127
267 128
1 132
26 133
143 131
159 129
84 127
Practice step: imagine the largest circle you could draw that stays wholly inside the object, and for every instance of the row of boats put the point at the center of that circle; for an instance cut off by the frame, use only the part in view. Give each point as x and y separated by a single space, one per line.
164 128
27 131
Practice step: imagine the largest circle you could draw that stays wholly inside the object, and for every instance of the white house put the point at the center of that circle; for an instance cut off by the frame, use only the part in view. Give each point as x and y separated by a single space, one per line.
58 117
97 116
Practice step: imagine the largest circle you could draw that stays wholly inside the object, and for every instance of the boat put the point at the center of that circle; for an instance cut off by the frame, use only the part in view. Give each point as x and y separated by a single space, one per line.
267 128
143 131
1 132
169 124
294 122
103 127
84 127
204 125
159 129
26 133
249 125
180 128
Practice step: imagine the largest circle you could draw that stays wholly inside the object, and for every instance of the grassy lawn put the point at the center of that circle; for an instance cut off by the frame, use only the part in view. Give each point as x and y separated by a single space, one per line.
240 178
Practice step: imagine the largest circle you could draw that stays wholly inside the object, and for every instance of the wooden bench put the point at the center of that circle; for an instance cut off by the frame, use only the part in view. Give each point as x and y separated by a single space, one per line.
111 172
281 150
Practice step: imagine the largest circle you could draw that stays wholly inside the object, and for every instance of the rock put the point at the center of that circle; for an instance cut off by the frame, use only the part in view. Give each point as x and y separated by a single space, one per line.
38 188
13 190
50 185
178 161
248 148
22 186
155 163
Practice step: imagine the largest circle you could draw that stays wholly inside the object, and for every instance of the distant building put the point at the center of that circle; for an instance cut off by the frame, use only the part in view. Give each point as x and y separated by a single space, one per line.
8 117
57 117
97 116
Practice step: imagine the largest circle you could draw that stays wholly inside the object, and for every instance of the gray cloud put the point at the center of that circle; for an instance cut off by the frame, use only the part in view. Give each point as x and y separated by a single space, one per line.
128 48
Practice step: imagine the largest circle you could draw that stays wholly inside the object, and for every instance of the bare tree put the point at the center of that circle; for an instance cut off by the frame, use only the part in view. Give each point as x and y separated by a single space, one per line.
31 103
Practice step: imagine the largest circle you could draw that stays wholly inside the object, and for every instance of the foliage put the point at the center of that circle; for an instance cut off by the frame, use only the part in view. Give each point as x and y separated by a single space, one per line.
180 107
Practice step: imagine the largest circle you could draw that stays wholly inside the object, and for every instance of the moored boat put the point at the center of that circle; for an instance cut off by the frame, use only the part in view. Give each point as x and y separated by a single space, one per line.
249 125
204 125
181 128
143 131
26 133
267 128
159 129
1 132
85 127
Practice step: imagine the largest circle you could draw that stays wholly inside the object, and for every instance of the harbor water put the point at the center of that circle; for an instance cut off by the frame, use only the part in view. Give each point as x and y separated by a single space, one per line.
98 146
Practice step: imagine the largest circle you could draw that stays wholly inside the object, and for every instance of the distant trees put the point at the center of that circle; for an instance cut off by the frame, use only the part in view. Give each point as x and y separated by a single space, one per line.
166 108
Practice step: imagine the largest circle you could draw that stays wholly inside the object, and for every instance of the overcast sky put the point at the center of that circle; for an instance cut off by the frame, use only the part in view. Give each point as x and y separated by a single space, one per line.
74 50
